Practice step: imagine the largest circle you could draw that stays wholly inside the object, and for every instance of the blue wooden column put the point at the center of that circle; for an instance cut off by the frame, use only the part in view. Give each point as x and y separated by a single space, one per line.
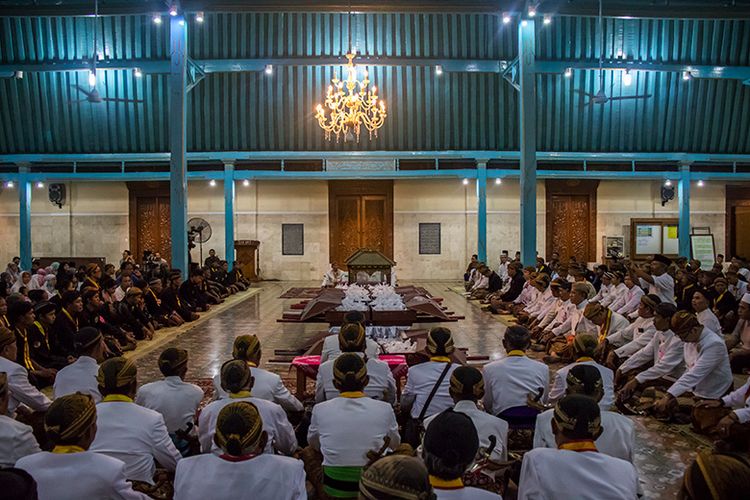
683 199
527 117
177 143
229 194
482 211
24 212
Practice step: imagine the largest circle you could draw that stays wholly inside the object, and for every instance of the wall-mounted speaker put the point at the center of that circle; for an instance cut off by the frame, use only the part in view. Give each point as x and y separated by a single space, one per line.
57 194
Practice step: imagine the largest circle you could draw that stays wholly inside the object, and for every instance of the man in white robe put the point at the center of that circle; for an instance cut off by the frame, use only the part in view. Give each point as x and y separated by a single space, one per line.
127 431
71 471
80 376
576 469
618 437
16 439
583 347
628 306
334 277
658 282
381 385
701 303
240 469
629 340
237 381
266 385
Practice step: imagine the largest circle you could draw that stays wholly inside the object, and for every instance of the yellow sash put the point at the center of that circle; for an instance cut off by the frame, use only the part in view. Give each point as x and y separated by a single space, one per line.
605 327
352 394
582 445
117 397
442 484
67 448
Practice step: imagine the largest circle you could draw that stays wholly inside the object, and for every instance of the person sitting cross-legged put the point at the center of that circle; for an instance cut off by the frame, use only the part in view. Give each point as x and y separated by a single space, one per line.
80 376
346 428
584 347
381 385
16 439
450 446
175 399
20 389
237 380
618 436
127 431
395 477
266 385
71 471
576 469
241 469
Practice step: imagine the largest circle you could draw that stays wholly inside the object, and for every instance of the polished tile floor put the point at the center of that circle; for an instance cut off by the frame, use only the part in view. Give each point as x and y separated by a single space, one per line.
662 451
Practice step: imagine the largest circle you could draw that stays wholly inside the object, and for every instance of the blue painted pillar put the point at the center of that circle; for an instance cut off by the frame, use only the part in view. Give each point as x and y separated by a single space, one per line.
482 211
177 162
24 211
683 198
527 118
229 194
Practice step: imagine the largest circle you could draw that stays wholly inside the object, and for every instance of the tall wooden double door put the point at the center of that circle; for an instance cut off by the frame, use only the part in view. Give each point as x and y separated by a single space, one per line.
571 218
360 216
149 218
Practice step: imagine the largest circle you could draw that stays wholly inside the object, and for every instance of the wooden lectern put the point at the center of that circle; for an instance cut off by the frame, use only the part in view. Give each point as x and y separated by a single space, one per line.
247 257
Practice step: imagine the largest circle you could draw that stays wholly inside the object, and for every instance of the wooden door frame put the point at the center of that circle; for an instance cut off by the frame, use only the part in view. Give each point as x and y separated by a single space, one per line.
361 188
736 196
558 187
136 190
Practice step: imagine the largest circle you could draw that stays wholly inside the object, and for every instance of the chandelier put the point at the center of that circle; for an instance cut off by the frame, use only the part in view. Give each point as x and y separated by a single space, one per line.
351 103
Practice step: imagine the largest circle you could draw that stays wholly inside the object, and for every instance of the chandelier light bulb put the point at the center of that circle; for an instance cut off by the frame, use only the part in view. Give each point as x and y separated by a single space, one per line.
9 184
246 183
568 72
173 11
524 23
627 78
532 11
157 19
547 20
701 183
466 182
199 17
668 183
137 72
269 69
498 181
686 75
506 18
92 78
438 70
212 183
40 185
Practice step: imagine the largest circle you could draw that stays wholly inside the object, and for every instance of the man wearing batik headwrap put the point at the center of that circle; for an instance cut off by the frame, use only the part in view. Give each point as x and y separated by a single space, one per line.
171 300
738 341
466 389
331 347
584 347
657 280
238 382
16 439
716 476
424 377
576 469
450 445
686 285
80 376
659 363
560 289
267 385
560 344
605 288
626 342
543 299
70 471
132 317
93 277
707 372
618 437
545 304
240 468
346 428
175 399
608 322
21 391
129 432
381 385
396 477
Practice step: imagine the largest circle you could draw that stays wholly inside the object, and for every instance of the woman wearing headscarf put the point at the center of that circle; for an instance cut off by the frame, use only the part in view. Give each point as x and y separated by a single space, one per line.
240 466
50 285
22 281
36 281
70 471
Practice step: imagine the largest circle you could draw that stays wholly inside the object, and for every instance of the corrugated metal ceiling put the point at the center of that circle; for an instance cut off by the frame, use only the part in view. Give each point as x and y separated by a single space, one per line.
455 111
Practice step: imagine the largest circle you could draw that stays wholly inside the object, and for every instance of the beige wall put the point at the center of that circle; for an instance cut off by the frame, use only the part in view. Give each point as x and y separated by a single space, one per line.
94 222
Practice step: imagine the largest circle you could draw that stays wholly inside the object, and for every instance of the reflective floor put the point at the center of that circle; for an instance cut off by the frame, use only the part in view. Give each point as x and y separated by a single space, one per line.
662 451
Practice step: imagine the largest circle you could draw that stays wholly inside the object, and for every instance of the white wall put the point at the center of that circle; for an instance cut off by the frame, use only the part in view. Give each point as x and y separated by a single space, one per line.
94 222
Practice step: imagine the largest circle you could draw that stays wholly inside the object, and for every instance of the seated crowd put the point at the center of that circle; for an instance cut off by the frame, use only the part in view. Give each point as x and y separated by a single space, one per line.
455 431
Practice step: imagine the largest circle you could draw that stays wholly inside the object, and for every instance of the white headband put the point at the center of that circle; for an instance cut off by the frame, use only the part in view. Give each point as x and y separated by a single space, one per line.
746 298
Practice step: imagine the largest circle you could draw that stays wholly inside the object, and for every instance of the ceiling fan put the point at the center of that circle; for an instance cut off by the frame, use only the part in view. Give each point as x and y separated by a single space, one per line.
92 95
601 96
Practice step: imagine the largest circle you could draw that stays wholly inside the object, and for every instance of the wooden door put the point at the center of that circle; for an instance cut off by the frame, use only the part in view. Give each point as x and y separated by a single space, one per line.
360 216
738 222
571 219
150 222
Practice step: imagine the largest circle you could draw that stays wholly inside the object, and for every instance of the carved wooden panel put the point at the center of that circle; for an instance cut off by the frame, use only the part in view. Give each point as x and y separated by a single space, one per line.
149 218
360 215
571 219
372 234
